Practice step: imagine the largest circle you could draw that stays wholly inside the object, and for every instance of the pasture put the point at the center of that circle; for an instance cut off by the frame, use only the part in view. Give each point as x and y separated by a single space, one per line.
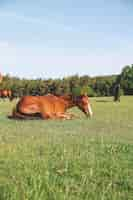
80 159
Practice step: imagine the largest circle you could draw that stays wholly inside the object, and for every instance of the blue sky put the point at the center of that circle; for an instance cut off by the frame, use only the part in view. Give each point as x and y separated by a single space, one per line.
60 38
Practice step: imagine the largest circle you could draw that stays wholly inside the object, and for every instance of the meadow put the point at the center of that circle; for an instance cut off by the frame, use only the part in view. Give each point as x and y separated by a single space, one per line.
79 159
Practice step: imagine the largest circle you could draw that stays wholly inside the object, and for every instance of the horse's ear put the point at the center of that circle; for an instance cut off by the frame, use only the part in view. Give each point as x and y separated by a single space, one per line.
85 94
76 91
80 91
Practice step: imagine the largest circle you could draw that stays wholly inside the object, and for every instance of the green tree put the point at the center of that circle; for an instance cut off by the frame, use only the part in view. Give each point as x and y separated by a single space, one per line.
126 79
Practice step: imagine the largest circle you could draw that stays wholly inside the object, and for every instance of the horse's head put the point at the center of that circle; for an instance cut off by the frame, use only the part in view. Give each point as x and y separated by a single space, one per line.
83 103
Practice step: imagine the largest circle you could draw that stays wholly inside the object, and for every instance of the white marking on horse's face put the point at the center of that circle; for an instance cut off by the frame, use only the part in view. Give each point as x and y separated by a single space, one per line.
90 109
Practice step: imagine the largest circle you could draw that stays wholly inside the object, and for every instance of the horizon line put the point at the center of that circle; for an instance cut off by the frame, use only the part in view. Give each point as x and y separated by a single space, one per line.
63 77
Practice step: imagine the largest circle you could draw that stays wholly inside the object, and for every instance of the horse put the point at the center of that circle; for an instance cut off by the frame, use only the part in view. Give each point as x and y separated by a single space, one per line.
50 107
6 93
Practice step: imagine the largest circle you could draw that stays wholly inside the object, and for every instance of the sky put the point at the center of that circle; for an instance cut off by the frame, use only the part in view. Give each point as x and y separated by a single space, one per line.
55 39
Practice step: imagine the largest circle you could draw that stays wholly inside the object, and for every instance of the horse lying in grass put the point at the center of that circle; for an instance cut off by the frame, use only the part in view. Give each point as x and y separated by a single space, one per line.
50 107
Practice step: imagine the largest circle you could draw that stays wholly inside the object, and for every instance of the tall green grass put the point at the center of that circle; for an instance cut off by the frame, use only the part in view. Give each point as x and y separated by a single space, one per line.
80 159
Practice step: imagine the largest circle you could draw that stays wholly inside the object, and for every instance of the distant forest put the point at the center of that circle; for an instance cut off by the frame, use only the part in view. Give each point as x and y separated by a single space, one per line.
96 86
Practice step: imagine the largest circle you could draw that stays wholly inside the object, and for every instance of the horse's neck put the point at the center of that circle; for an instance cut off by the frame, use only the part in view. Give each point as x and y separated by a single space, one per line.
68 101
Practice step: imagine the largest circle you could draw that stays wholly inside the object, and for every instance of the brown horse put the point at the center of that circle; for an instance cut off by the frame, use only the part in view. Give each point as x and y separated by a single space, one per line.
6 94
50 107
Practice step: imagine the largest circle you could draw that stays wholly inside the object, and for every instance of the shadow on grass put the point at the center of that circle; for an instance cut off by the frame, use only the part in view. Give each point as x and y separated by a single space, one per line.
104 101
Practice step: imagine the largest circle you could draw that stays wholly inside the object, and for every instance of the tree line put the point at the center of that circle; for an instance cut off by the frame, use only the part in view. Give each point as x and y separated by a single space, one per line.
96 86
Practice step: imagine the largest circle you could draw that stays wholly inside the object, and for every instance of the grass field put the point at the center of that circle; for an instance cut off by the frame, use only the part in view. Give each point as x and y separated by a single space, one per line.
80 159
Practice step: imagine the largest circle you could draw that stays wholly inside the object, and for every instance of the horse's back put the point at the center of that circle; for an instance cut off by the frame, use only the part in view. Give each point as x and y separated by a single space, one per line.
48 103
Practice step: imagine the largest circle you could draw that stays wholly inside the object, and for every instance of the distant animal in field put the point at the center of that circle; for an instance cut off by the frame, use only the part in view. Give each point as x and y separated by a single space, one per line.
50 107
117 93
5 93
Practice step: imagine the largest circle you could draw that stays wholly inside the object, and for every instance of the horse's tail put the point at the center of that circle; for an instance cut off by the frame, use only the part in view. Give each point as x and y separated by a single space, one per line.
16 114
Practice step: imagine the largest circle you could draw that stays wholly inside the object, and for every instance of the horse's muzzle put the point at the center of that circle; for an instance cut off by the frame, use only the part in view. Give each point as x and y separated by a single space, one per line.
88 115
89 112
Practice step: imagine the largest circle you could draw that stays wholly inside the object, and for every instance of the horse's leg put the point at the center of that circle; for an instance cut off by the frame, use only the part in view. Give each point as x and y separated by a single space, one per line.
11 98
46 115
63 116
73 115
